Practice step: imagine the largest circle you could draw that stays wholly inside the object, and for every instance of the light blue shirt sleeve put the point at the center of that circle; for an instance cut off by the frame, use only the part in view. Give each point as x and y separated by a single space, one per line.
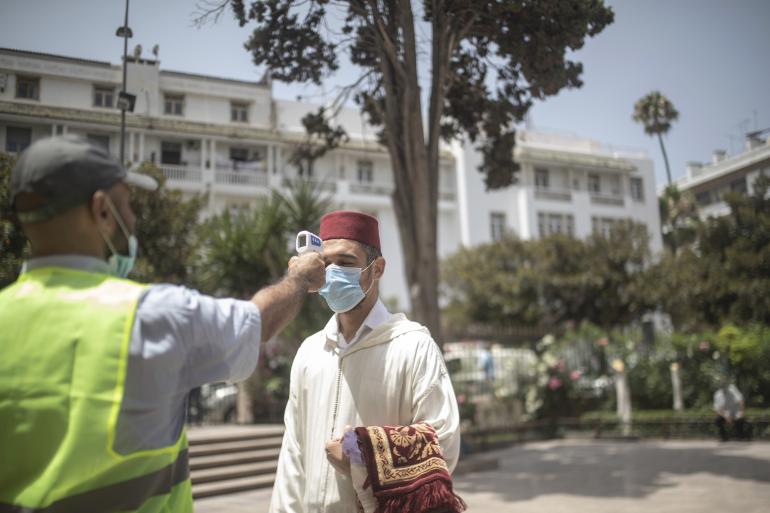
210 339
181 339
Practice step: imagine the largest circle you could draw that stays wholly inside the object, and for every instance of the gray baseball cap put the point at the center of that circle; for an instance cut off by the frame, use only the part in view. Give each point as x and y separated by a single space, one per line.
66 171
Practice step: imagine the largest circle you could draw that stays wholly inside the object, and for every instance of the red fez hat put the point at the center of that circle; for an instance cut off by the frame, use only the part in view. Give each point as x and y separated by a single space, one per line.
346 224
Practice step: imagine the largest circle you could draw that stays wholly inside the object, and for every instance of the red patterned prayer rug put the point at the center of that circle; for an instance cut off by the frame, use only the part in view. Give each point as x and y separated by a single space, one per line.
406 469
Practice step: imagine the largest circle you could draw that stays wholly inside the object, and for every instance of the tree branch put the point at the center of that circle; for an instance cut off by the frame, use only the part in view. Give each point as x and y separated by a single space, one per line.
209 11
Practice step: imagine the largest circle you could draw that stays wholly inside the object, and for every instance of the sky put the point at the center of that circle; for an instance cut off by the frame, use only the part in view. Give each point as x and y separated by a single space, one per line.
711 58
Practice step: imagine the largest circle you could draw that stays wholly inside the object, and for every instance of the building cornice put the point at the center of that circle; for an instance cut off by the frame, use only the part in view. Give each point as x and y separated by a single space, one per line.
533 154
175 126
749 159
55 57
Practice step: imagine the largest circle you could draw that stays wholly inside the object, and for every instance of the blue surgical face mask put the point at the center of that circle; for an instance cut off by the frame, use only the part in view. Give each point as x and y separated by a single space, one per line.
342 290
121 265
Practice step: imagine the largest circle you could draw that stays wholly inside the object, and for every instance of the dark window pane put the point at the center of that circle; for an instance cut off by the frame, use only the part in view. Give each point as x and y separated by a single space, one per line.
171 153
17 139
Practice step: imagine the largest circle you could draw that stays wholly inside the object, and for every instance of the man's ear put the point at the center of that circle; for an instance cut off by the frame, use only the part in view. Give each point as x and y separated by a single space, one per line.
379 268
100 211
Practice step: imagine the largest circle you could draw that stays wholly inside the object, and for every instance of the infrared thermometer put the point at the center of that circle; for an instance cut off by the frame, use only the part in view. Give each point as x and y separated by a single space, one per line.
308 241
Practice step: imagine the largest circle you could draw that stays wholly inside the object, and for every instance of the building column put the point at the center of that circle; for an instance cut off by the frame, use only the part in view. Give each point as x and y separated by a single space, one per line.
130 149
141 157
209 175
204 156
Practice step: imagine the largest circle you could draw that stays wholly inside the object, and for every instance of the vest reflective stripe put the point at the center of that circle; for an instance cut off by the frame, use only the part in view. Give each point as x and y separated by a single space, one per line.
64 342
124 496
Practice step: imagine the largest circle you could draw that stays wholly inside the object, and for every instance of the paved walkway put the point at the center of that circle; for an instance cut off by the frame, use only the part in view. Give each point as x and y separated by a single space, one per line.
601 477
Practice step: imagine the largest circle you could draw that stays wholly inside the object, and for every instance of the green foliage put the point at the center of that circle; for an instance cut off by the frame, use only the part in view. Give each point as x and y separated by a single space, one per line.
725 277
747 353
304 206
656 113
522 45
244 250
550 281
13 243
166 225
320 138
667 414
678 218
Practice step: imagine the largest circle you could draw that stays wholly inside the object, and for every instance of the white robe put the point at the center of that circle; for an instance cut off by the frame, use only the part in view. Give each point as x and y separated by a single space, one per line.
395 375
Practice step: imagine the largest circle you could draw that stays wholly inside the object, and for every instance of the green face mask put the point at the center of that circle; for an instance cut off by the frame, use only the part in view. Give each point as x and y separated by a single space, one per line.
121 265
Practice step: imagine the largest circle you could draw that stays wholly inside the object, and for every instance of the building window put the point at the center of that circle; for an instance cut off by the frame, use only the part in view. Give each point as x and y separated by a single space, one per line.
541 178
637 189
239 154
615 185
17 139
551 223
101 140
365 171
497 225
603 226
171 153
703 198
173 104
739 185
104 97
28 88
594 184
239 112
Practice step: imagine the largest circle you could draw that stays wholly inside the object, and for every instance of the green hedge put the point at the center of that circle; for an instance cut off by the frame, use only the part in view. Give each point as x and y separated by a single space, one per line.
660 415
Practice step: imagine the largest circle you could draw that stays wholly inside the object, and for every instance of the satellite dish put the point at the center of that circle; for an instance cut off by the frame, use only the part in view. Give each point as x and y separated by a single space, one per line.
156 50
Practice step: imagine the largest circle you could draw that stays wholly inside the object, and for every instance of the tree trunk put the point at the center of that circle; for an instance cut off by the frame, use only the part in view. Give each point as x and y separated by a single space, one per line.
665 158
243 406
414 161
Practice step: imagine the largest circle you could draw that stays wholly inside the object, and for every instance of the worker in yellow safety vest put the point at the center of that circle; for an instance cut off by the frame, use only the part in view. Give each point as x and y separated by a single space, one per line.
96 368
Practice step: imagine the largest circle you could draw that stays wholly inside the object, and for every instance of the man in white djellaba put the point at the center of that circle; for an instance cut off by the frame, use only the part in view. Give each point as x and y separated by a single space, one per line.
366 367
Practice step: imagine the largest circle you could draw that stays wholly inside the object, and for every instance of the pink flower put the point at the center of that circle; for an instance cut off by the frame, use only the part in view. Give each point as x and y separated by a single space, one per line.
604 341
575 375
461 398
704 345
554 383
562 366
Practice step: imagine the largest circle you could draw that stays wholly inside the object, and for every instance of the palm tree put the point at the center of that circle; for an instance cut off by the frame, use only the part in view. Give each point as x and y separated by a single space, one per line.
678 217
656 113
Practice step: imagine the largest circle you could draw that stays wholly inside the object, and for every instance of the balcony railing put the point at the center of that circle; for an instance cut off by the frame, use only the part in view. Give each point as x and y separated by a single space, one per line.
551 193
321 185
371 188
607 199
182 173
252 178
385 189
447 195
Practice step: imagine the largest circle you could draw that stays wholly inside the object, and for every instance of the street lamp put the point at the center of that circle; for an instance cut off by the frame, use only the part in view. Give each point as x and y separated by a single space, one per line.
125 100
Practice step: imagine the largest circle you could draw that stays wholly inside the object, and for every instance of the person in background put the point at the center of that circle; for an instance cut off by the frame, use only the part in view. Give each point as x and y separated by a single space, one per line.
96 368
729 407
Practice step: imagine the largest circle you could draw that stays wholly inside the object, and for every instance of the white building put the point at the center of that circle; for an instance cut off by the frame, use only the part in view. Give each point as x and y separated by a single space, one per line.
566 185
232 139
726 173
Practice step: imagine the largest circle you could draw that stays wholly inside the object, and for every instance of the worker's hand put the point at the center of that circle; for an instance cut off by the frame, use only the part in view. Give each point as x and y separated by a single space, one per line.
311 268
337 457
